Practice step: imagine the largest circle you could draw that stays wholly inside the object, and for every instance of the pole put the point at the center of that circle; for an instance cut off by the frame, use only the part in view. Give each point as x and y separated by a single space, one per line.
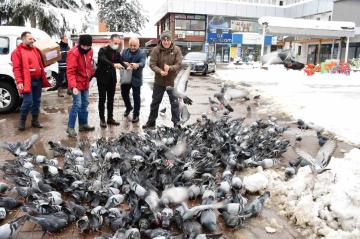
347 49
332 49
339 52
263 40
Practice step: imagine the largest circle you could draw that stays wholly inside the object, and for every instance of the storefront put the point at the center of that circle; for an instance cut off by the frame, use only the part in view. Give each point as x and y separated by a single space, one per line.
230 37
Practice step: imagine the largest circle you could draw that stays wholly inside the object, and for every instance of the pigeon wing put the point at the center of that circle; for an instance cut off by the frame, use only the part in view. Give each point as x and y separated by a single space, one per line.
304 155
324 155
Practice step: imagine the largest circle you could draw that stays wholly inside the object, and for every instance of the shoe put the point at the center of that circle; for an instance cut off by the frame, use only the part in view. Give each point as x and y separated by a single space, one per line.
127 112
71 132
86 127
60 92
149 125
103 124
21 125
135 119
52 88
177 125
35 122
112 122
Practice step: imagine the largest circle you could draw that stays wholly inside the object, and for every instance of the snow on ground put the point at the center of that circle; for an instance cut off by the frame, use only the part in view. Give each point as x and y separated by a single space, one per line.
328 100
324 205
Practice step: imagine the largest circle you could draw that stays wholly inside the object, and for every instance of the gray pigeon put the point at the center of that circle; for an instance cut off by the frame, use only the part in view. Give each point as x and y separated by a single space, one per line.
322 159
10 230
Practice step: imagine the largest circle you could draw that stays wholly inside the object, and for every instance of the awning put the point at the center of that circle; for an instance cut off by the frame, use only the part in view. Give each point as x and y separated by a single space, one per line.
305 27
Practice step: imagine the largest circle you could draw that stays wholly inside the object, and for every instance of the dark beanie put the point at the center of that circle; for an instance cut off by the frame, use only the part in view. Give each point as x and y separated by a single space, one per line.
85 40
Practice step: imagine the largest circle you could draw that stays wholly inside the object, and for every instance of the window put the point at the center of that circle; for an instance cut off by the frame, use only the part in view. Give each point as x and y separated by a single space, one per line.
329 18
196 25
299 51
4 45
281 3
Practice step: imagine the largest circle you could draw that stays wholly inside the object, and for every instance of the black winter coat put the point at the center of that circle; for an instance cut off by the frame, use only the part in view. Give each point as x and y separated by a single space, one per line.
105 71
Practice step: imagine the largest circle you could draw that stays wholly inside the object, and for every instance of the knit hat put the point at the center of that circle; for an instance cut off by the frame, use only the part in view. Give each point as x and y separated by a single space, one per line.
166 35
85 40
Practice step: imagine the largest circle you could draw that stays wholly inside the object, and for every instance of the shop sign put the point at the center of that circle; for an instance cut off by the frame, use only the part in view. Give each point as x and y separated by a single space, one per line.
219 38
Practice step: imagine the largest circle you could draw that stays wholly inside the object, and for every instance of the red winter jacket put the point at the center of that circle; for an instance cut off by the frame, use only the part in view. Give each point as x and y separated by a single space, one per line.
79 69
27 64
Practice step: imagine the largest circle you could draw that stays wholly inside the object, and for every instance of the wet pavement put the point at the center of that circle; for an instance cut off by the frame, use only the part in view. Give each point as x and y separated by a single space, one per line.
54 113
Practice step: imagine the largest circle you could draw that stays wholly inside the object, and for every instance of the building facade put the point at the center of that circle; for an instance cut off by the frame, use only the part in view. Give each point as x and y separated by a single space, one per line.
227 29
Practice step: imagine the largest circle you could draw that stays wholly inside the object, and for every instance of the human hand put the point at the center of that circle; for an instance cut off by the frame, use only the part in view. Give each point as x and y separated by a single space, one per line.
117 65
134 66
75 91
20 86
163 73
166 68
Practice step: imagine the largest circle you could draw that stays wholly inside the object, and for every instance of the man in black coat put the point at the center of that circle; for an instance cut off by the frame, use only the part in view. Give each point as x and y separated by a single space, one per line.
109 59
61 81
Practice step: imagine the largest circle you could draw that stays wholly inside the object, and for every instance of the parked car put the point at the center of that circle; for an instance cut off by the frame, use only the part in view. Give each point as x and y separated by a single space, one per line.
9 39
200 62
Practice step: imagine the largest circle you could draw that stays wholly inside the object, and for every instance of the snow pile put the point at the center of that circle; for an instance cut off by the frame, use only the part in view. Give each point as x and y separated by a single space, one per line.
255 182
323 99
329 203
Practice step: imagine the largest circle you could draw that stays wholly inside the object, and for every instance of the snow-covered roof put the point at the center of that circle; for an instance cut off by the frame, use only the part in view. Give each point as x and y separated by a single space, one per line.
305 27
16 31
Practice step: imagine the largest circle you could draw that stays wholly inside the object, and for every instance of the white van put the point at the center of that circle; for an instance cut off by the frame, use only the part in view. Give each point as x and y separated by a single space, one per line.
9 39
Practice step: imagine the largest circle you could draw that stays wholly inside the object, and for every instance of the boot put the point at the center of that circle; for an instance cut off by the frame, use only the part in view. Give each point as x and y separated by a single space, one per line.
86 127
149 125
103 124
71 132
22 122
60 92
111 121
35 122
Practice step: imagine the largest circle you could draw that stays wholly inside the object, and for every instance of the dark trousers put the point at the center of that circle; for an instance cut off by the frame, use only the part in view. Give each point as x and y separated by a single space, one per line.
106 91
31 101
125 93
158 93
61 79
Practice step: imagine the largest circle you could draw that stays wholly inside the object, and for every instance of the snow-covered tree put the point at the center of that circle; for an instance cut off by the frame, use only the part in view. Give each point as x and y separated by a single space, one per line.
122 15
42 14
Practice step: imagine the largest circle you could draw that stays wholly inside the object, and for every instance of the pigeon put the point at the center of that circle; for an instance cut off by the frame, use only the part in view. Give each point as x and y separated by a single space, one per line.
18 147
11 229
2 213
9 203
220 97
255 207
114 201
322 159
184 114
180 95
83 224
3 187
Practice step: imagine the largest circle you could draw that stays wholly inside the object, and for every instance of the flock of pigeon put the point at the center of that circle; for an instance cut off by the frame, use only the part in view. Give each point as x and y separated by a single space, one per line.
164 183
142 184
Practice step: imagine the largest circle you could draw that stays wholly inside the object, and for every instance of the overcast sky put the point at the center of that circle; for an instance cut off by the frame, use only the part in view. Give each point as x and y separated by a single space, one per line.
150 8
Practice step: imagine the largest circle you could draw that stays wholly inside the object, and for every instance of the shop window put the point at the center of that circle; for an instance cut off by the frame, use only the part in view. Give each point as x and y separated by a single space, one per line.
198 25
4 45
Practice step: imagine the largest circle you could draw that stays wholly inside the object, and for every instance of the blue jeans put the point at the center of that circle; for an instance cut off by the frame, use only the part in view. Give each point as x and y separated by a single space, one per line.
31 101
79 108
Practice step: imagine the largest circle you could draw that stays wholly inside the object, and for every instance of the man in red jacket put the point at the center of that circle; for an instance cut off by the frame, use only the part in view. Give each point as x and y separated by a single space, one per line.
79 73
30 77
